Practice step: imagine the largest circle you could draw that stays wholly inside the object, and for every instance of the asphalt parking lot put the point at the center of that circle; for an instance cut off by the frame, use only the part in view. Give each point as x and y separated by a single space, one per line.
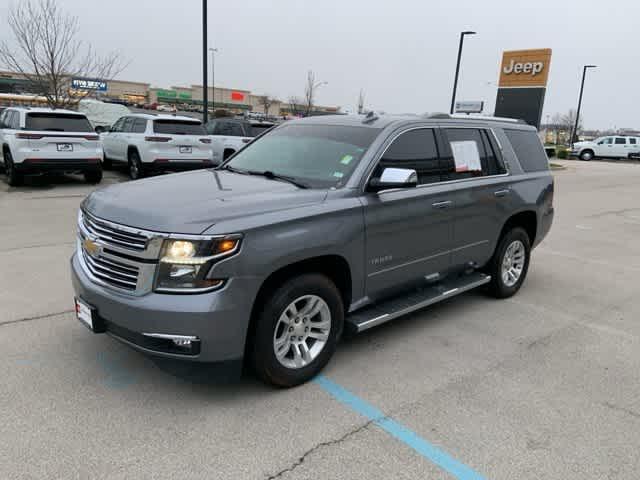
543 385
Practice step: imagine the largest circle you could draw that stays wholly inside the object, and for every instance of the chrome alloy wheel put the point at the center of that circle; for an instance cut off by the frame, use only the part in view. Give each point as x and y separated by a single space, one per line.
513 263
302 331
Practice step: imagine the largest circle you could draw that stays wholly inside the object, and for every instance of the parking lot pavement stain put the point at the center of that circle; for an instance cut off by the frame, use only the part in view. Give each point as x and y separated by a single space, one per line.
118 373
398 431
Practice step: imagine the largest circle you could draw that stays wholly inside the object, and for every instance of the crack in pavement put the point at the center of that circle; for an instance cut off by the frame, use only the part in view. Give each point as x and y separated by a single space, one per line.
320 445
37 317
617 408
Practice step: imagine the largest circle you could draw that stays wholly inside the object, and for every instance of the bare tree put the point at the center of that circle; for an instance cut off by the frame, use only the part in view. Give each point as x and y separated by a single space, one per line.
266 101
361 102
48 53
295 106
309 92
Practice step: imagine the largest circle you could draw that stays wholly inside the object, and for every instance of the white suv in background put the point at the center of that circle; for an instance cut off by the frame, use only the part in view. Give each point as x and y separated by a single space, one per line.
148 142
40 140
614 146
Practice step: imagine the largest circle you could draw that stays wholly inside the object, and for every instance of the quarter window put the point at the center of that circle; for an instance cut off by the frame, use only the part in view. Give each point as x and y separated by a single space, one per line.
528 148
415 150
632 141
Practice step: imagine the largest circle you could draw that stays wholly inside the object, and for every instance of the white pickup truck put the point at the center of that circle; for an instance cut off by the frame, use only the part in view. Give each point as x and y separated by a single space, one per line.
228 135
614 146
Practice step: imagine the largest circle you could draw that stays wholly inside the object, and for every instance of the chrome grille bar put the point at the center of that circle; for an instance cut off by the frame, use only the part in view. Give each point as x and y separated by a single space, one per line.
117 236
120 276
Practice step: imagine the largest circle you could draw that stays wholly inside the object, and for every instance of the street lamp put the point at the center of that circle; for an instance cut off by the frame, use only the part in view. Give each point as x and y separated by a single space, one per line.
213 80
205 83
455 81
575 127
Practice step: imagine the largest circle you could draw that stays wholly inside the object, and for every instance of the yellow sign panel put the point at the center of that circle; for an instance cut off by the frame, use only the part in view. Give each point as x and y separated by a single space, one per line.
525 68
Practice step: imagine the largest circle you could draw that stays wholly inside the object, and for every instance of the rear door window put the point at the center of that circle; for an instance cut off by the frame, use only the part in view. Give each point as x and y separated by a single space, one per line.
178 127
528 149
139 125
228 129
57 122
472 153
632 141
621 141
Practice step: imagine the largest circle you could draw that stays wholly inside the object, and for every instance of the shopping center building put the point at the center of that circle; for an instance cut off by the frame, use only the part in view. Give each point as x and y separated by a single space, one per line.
233 100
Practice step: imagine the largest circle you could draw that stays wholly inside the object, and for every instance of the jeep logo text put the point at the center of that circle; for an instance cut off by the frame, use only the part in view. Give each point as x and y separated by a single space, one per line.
532 68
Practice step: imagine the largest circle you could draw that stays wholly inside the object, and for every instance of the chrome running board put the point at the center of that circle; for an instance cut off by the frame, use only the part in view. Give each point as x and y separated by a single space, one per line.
380 313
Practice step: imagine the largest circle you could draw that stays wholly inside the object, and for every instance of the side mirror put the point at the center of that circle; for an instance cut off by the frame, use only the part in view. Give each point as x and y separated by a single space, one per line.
100 129
394 178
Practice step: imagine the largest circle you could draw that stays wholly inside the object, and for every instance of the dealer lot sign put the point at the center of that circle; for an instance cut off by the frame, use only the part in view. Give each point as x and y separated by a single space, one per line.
522 84
525 68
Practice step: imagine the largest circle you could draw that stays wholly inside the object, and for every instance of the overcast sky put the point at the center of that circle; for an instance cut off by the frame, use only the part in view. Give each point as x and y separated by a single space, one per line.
401 53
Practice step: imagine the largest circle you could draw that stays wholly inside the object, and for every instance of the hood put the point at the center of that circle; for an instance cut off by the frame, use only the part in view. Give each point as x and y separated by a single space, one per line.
191 202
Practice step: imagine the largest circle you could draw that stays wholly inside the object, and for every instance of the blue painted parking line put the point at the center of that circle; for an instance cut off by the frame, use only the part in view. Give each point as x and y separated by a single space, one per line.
399 431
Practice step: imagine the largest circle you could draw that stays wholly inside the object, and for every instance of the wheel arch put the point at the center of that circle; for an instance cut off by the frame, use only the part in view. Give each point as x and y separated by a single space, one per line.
527 219
335 267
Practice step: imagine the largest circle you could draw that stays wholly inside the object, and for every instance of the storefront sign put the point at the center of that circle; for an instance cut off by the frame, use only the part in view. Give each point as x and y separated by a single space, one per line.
166 93
525 68
239 96
88 84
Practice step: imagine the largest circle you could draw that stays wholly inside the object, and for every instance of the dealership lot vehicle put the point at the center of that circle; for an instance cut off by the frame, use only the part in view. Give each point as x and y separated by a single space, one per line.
230 135
615 146
437 205
41 140
147 143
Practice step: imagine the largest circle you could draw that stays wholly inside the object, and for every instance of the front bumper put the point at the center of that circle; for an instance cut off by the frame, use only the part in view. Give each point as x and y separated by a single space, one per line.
219 319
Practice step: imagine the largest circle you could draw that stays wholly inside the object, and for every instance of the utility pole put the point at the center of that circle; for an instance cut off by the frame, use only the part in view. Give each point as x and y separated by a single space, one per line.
455 80
574 133
205 86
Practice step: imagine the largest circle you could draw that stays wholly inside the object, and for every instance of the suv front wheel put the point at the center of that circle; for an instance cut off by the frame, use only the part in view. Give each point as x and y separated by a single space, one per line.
297 330
510 262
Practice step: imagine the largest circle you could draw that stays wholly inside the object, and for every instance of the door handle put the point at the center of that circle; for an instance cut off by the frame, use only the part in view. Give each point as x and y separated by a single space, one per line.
502 193
441 205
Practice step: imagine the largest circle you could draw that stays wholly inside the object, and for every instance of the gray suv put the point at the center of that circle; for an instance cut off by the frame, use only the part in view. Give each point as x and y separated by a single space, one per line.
323 225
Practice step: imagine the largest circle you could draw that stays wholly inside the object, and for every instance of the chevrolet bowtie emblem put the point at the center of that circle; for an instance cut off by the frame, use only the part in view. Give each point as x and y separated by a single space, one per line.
91 247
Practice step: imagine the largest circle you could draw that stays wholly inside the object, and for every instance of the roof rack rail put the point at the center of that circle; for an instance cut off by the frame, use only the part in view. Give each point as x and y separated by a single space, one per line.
478 117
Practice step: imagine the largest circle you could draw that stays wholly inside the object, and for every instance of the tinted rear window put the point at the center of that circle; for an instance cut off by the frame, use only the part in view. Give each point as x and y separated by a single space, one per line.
57 122
177 127
528 148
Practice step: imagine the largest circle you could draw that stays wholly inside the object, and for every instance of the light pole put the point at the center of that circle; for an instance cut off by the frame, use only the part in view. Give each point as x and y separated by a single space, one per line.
575 127
455 80
213 80
205 83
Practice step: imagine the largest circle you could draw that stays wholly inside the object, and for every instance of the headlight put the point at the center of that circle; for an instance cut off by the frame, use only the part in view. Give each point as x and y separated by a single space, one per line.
184 264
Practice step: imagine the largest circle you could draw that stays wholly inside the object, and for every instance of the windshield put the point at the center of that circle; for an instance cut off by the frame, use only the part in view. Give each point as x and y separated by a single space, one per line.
321 156
177 127
57 122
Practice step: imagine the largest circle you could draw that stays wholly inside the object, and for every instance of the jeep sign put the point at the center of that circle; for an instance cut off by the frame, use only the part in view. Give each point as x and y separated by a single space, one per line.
525 68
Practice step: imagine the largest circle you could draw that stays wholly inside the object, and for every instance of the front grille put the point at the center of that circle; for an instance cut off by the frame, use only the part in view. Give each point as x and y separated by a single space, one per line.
117 237
112 272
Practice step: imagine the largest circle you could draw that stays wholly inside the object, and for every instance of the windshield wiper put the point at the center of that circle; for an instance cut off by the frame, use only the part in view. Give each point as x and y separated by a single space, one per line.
276 176
234 170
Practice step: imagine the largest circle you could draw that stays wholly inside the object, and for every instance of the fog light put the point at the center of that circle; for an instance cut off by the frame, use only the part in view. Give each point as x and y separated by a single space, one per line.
182 342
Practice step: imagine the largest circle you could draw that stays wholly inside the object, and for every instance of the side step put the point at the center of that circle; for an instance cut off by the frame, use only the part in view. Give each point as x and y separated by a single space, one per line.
377 314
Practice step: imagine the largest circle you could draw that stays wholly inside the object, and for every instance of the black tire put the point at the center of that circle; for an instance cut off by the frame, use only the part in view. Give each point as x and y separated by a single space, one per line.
107 164
266 364
136 170
14 178
93 176
498 287
586 155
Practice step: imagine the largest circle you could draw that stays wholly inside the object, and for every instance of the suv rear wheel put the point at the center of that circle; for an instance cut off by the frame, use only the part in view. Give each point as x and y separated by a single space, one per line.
14 178
297 330
135 165
510 262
